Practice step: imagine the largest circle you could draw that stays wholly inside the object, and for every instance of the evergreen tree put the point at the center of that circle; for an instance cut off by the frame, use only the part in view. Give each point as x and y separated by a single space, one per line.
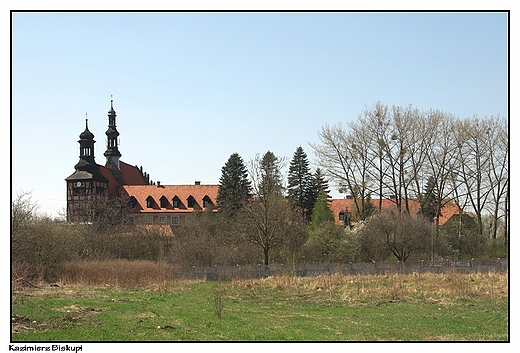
429 201
234 187
270 176
299 184
318 184
322 212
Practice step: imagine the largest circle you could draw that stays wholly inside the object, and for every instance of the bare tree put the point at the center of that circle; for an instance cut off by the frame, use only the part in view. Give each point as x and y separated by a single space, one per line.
496 141
394 152
344 157
360 183
38 243
474 162
399 152
440 152
403 236
23 211
268 220
373 126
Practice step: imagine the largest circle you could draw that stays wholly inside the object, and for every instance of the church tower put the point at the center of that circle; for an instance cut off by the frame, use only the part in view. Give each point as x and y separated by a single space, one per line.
112 153
86 183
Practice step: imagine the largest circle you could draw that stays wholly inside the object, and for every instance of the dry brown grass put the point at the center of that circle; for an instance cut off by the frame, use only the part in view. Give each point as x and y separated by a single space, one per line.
117 273
427 287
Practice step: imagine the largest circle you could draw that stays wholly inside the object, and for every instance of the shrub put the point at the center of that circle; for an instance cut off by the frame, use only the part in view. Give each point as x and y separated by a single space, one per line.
401 235
43 244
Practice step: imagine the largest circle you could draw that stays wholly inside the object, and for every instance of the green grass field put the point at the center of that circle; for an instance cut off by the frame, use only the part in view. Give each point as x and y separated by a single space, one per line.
426 307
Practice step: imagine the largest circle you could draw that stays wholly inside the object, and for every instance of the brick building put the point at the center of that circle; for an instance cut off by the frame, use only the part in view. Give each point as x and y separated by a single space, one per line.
153 203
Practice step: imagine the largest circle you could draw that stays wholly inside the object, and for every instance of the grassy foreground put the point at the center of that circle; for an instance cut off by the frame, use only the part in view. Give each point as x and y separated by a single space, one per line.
426 307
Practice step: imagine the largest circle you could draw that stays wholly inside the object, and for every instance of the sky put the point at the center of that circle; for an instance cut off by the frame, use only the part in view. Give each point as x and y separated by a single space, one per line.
191 88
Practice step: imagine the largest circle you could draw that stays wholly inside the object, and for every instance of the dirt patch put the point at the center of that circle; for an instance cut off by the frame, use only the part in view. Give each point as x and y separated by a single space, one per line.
78 309
20 323
146 315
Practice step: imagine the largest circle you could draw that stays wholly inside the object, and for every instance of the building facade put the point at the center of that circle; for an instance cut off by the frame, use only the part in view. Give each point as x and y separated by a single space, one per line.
93 184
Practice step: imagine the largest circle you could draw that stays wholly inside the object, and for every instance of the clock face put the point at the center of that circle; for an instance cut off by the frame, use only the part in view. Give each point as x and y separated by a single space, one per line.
78 184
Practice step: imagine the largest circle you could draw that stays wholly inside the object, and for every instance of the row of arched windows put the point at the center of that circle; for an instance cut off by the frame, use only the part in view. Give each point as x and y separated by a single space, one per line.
175 202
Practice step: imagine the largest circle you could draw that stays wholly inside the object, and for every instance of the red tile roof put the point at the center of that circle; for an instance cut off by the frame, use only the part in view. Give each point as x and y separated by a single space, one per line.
199 192
337 205
113 186
131 175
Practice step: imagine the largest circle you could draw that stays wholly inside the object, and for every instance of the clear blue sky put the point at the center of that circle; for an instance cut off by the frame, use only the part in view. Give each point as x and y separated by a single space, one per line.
190 89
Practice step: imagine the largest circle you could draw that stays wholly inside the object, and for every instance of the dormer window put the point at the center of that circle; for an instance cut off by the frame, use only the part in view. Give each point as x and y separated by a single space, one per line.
206 201
164 202
191 201
176 202
149 202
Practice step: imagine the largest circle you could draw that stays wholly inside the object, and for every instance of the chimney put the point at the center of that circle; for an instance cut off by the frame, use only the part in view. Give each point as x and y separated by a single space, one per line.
158 184
197 182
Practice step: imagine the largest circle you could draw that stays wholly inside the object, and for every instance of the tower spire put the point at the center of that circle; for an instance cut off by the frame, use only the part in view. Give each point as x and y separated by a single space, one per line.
86 182
112 153
86 151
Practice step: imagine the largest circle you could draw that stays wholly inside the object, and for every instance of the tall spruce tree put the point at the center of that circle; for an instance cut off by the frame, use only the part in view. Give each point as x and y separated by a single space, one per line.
234 187
299 184
429 200
270 182
318 185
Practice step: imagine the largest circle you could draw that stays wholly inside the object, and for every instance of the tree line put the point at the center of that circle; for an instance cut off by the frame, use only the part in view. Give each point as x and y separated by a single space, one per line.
257 207
388 153
400 153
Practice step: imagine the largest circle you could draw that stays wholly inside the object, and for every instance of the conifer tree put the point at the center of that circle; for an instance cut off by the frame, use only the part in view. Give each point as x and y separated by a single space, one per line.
270 182
234 187
299 184
322 212
429 201
318 185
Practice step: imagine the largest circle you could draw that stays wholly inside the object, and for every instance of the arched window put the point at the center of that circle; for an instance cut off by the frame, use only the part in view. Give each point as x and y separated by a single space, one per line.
206 201
176 202
132 202
149 202
164 202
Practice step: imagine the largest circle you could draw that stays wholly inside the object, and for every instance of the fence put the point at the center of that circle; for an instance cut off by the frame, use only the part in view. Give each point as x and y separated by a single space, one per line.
258 271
